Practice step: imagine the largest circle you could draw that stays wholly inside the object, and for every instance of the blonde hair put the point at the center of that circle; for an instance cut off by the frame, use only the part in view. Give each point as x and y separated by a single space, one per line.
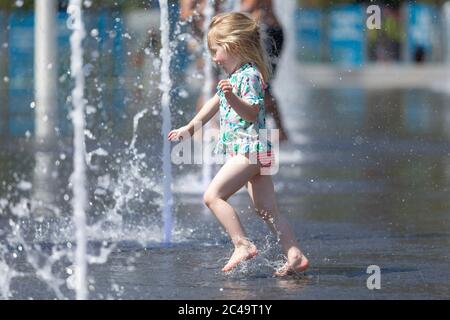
239 34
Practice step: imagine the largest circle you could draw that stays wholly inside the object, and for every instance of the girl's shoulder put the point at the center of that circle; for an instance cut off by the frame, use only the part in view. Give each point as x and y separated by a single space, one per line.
252 74
249 70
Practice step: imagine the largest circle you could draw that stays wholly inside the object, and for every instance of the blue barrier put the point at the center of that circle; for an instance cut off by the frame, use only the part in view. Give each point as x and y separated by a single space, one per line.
3 124
19 124
21 67
20 72
346 30
309 35
446 19
421 21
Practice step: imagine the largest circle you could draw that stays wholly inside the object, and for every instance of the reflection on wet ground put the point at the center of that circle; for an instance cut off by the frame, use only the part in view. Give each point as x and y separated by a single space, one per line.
364 181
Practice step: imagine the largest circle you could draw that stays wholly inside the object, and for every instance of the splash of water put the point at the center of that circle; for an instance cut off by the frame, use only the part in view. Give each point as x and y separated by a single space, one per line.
165 87
130 182
78 178
136 119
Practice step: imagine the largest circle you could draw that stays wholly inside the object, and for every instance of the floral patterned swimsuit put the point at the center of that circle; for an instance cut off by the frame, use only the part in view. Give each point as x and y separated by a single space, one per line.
237 135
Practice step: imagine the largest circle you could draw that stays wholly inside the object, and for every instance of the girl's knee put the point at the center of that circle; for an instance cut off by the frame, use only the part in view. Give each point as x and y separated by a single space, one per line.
209 198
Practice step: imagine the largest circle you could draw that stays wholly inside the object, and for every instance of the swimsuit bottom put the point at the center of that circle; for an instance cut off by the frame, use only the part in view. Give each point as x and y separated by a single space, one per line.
265 159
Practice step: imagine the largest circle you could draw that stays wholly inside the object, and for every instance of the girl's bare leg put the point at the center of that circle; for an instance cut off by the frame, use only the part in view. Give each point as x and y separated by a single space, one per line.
234 174
262 193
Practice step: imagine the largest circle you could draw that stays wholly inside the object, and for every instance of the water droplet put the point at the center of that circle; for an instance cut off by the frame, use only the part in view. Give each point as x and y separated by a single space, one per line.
94 33
90 109
183 93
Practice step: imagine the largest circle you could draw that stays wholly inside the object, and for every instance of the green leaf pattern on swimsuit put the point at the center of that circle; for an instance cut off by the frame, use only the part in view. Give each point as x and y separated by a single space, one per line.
238 135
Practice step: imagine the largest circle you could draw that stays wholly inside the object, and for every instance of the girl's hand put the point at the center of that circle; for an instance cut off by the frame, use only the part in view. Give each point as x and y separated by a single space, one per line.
226 88
179 134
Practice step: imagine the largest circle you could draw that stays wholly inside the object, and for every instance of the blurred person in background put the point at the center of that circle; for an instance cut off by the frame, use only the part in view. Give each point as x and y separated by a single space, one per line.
262 11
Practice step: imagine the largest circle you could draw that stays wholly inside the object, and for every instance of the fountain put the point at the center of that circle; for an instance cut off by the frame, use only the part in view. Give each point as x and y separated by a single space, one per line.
78 178
57 249
446 15
165 87
46 106
45 62
207 163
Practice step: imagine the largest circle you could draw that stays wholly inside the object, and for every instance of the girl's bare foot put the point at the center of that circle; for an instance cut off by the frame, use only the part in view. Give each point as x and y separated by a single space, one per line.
241 253
296 263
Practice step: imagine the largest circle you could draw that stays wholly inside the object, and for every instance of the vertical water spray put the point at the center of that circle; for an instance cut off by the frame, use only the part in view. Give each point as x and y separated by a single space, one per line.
78 177
165 87
45 73
285 10
208 74
286 90
46 97
446 17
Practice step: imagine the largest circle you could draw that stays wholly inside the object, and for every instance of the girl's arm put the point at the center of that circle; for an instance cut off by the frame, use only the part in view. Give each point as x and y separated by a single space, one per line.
208 110
205 114
244 109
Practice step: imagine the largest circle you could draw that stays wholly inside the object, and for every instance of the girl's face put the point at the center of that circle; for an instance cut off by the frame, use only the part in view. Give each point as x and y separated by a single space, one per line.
224 59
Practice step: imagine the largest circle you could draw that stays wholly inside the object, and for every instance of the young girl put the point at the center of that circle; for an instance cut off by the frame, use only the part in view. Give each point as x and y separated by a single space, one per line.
235 44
